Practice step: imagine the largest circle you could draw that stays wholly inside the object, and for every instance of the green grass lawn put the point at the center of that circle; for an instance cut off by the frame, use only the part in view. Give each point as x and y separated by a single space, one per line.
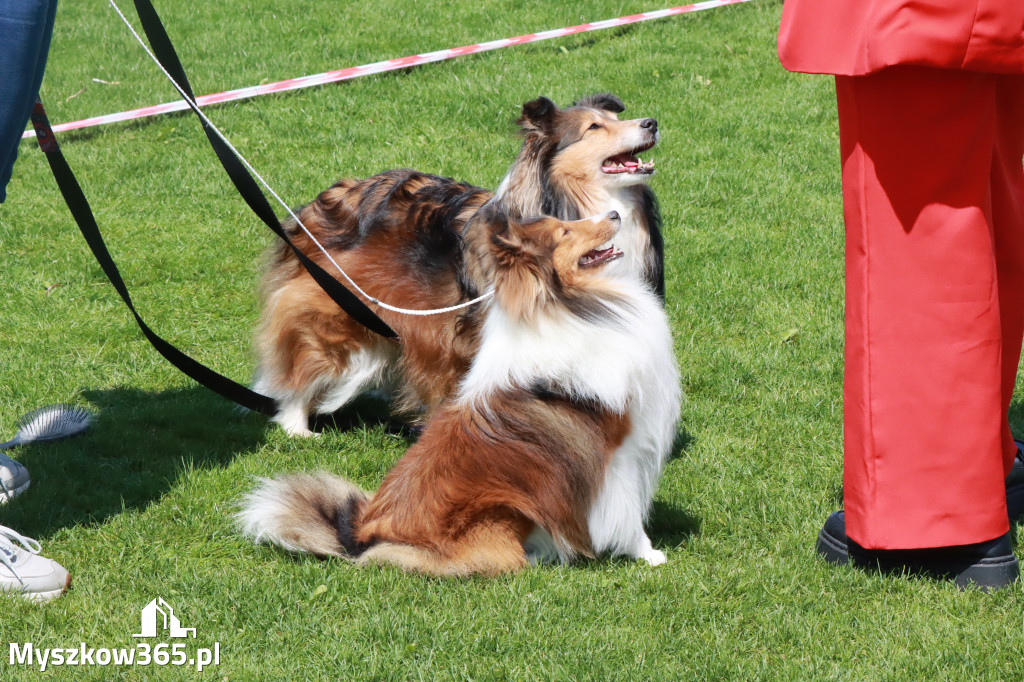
141 506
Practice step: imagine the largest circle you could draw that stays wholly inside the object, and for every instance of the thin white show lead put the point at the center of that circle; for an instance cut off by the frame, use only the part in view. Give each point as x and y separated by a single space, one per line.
195 108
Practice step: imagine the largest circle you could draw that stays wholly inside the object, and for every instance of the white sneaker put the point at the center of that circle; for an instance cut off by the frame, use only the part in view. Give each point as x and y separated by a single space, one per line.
14 478
23 571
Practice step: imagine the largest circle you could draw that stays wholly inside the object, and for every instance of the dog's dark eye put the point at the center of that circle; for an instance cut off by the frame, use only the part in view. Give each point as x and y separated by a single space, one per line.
595 126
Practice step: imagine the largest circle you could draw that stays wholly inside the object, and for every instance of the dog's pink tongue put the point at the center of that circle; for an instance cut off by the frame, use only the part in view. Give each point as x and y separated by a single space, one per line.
596 255
621 162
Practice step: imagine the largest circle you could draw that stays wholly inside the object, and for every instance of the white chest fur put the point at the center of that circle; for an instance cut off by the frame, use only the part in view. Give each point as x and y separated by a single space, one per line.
632 238
628 366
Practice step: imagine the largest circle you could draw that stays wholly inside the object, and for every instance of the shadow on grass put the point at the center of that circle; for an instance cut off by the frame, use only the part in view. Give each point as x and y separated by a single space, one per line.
681 444
366 411
671 526
136 450
141 442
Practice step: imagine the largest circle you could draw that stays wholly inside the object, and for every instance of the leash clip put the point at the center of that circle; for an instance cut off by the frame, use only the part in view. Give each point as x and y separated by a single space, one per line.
44 133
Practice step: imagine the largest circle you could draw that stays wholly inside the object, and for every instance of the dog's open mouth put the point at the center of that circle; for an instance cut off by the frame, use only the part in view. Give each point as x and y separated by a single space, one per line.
599 256
628 162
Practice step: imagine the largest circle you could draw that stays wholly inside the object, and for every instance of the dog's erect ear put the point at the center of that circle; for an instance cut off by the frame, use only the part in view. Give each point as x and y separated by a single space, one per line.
495 219
518 270
504 238
538 114
506 242
605 101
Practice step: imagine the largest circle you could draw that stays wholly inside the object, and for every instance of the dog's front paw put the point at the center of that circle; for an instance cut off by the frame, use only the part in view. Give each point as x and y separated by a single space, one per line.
300 432
654 557
294 420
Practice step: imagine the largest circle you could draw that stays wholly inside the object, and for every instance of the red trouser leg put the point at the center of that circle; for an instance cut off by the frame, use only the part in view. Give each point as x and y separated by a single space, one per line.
1007 182
932 191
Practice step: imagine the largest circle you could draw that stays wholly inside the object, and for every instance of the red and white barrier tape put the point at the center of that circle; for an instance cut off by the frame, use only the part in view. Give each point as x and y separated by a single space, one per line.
382 67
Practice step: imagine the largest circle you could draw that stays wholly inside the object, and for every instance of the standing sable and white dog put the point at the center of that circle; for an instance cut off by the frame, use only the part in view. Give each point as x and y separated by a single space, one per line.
552 447
414 240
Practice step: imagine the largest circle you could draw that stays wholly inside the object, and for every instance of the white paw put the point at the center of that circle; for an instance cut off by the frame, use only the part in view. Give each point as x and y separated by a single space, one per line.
654 557
294 421
298 429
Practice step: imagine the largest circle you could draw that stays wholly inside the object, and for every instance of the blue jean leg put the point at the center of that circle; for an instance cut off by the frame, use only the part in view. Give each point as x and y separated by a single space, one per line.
25 30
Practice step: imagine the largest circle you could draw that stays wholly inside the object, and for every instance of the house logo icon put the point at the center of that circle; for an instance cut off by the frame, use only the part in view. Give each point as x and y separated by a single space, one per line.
160 612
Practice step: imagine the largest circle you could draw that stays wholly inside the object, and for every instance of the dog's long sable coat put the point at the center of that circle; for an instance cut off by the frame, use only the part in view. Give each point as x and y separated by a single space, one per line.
554 443
412 240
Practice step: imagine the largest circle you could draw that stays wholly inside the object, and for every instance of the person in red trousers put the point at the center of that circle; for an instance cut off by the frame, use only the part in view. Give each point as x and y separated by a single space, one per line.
931 120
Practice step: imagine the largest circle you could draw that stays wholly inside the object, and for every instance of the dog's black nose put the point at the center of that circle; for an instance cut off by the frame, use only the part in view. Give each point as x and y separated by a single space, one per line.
650 123
613 216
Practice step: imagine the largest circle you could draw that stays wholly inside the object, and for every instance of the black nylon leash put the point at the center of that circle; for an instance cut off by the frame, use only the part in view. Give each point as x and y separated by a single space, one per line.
246 185
80 210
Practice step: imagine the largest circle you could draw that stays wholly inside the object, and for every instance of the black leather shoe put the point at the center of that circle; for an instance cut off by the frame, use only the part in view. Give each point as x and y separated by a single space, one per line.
1015 485
988 565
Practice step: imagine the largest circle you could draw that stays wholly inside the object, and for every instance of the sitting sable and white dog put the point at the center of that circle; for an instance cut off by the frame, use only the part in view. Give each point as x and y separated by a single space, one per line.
552 446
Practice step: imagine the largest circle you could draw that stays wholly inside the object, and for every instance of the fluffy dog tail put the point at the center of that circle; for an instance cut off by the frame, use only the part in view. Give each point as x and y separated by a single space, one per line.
312 513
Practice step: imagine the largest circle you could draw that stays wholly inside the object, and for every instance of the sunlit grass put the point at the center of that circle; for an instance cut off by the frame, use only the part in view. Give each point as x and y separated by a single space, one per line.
141 506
